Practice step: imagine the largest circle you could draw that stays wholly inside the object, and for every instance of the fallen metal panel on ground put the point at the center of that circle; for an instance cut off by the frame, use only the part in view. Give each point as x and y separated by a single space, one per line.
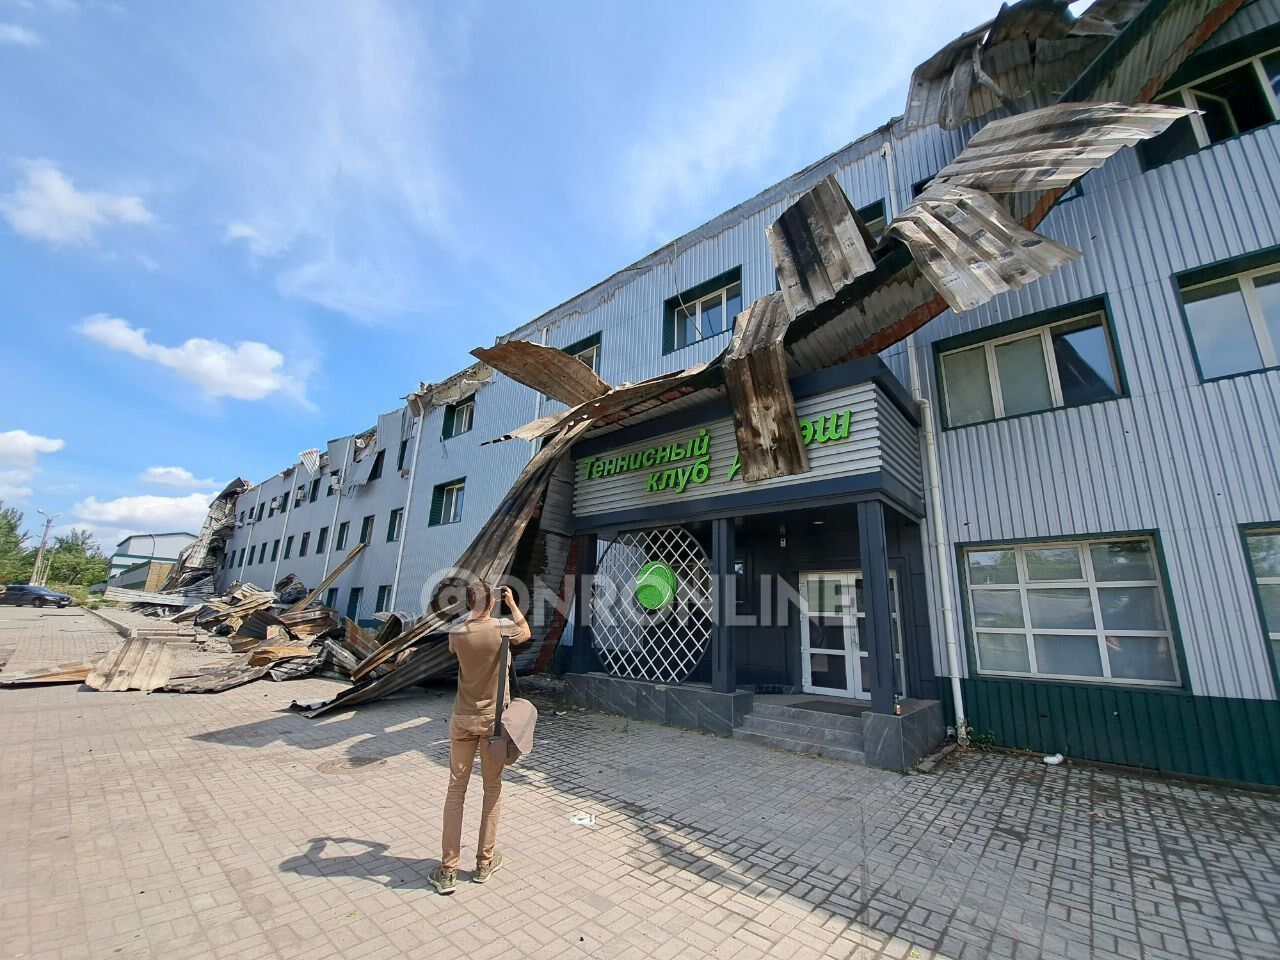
216 681
549 371
336 572
764 409
61 673
134 665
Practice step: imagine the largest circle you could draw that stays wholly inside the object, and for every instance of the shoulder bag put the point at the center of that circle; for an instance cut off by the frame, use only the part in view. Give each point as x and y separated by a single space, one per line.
513 723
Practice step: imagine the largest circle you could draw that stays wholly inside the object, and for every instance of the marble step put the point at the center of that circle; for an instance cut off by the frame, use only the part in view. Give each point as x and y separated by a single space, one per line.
817 748
837 736
816 718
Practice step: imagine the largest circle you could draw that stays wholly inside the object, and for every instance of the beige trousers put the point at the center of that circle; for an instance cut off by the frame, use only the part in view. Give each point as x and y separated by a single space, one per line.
466 735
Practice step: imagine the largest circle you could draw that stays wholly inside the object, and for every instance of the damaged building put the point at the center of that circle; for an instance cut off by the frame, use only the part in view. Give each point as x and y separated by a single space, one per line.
991 396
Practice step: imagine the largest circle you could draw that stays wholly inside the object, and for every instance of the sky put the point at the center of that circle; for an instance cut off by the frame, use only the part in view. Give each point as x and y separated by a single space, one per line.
231 231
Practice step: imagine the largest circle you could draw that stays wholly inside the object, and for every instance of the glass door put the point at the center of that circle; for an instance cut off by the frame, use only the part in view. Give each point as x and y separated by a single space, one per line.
828 635
864 657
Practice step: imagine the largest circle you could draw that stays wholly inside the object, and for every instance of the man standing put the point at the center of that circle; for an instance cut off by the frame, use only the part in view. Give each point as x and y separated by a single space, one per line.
477 643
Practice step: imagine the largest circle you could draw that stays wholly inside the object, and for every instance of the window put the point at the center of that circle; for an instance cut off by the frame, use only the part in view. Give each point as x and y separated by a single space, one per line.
393 524
321 536
1230 102
261 507
341 542
384 598
873 217
917 188
446 503
1088 610
706 310
459 417
241 520
1234 323
331 598
375 472
353 603
1264 563
302 547
275 550
333 483
240 562
314 493
262 552
404 450
1062 364
366 529
288 547
271 508
587 350
300 495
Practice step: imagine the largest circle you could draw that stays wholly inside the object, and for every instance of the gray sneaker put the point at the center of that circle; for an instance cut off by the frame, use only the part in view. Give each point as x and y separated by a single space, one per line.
486 870
445 881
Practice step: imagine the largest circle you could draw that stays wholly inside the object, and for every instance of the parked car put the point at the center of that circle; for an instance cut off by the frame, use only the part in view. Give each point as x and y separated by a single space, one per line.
18 594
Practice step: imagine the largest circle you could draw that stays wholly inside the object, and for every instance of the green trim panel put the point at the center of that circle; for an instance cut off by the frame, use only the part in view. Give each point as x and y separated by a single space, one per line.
1217 737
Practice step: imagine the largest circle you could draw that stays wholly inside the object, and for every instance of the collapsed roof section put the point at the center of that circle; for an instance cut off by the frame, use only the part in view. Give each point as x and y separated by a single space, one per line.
201 558
453 390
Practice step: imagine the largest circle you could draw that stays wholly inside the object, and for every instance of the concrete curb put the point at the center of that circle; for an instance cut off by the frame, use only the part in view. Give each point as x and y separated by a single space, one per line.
126 631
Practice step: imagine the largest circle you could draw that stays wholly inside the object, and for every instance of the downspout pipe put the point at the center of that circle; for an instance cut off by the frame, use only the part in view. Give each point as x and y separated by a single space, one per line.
337 501
248 535
933 492
408 502
290 507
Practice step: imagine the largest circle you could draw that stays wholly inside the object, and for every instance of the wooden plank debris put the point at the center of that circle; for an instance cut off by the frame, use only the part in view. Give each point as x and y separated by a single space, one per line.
324 584
819 246
134 665
546 369
765 421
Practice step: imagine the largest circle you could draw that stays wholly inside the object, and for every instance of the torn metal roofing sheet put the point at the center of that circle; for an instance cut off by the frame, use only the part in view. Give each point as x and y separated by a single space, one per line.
59 673
134 665
819 246
765 421
548 370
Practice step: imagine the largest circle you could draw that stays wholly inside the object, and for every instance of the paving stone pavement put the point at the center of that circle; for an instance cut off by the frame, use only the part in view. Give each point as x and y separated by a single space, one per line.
225 826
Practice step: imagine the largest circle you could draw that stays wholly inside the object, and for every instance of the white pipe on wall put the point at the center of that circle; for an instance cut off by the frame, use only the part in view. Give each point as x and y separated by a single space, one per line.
404 518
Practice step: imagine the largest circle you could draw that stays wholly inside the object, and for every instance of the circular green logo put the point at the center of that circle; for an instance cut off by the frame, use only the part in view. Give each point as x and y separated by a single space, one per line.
655 585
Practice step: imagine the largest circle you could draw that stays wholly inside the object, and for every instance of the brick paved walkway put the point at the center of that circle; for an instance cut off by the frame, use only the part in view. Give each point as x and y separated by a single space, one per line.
221 826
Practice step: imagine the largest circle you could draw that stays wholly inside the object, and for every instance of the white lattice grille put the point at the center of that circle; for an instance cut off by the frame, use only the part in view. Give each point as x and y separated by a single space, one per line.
660 645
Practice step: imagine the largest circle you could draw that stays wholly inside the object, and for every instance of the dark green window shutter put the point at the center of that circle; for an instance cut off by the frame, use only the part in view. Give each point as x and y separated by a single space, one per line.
668 329
437 505
447 432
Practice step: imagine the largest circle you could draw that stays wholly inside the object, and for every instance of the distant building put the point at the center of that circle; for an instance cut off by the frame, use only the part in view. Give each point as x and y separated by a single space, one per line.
144 548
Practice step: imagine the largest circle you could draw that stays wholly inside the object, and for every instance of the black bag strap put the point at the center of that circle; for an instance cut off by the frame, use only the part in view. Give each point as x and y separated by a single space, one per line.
502 686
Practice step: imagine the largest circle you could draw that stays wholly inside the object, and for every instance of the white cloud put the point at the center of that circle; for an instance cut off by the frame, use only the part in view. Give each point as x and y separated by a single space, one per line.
13 35
247 371
19 453
112 520
47 206
173 477
259 245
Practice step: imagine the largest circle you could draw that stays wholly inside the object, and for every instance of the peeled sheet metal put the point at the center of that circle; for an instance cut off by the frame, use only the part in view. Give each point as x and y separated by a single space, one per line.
429 660
548 370
1054 146
134 665
970 249
61 673
819 246
217 680
125 595
765 421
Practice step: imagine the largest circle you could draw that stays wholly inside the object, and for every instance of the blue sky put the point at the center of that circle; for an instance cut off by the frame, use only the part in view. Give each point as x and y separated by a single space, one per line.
230 231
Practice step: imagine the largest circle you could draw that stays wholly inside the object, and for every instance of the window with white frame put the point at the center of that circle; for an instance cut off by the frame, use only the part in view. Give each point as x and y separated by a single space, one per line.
460 417
1227 102
709 316
1234 322
1082 610
395 520
383 600
1062 364
1264 561
874 219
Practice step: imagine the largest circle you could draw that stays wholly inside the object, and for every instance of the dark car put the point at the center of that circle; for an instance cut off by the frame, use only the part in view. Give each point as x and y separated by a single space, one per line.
17 594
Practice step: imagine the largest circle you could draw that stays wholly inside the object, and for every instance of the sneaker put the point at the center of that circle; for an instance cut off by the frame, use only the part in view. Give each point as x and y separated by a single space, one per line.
445 881
486 870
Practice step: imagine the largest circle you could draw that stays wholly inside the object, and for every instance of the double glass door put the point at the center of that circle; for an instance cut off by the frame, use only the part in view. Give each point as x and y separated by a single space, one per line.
834 659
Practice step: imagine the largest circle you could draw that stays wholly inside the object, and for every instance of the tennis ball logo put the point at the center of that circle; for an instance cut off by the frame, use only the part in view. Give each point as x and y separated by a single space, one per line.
655 585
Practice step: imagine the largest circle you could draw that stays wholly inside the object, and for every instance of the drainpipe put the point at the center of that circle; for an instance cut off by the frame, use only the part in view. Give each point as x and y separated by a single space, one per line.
289 508
408 502
337 501
933 489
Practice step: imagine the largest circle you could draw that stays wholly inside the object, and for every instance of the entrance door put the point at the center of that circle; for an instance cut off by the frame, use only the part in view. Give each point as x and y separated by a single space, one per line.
833 660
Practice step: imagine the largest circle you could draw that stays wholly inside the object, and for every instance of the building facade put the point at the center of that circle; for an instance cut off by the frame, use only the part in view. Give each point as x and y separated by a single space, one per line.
143 547
1107 440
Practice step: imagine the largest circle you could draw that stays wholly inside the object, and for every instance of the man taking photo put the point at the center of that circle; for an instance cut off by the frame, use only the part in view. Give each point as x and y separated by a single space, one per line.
477 642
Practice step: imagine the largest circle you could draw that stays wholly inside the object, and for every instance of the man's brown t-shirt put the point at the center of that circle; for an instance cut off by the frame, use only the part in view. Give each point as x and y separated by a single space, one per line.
476 643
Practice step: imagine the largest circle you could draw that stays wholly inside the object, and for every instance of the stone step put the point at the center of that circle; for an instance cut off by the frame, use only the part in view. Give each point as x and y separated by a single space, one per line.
817 718
817 748
837 736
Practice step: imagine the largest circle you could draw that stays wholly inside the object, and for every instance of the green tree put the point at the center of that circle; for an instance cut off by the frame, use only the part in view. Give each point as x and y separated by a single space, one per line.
76 559
16 557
